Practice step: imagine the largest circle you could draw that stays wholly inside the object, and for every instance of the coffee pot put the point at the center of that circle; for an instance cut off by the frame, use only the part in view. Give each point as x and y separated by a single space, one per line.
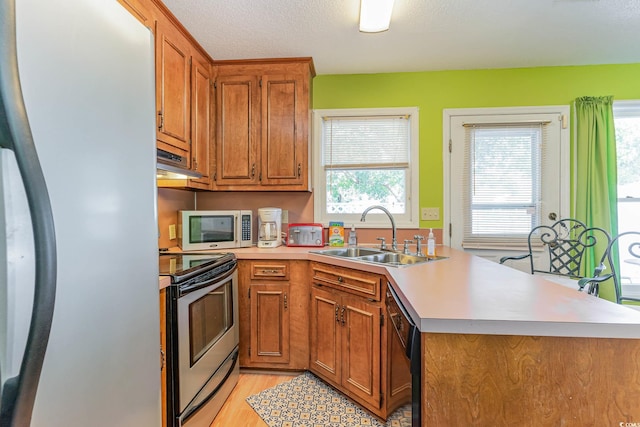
269 227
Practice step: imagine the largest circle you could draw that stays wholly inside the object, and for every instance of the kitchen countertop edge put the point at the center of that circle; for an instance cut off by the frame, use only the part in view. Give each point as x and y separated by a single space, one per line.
478 296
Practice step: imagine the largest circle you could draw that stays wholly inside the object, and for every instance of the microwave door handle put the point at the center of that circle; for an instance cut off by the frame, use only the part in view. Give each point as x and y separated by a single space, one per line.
18 393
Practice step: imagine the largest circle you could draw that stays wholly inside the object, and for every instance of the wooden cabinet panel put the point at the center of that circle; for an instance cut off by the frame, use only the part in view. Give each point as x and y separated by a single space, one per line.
349 336
346 344
272 270
201 121
274 314
262 125
326 338
284 148
270 323
361 349
173 92
353 281
238 121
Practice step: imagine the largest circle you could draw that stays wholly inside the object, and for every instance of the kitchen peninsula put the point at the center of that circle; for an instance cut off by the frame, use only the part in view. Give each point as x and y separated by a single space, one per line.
501 347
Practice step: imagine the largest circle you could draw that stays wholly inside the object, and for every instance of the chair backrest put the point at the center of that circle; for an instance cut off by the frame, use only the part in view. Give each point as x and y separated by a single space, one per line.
624 248
565 243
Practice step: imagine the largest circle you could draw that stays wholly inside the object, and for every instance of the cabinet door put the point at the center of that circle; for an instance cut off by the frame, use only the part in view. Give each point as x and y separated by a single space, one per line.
173 55
269 323
237 131
201 121
284 131
326 336
361 349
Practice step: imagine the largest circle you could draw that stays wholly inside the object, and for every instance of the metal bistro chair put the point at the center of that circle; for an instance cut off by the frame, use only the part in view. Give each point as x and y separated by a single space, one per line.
627 247
562 247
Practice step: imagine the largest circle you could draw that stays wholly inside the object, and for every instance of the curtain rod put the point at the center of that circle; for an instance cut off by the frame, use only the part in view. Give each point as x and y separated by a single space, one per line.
398 116
525 122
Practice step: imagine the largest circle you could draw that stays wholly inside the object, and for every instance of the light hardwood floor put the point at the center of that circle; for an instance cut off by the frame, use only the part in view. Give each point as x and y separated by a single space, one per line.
236 412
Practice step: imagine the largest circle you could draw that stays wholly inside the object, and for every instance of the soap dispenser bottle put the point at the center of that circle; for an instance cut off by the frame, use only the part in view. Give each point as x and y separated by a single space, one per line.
353 239
431 245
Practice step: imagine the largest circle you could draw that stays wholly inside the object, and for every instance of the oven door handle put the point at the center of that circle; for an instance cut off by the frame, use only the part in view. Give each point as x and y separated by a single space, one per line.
187 289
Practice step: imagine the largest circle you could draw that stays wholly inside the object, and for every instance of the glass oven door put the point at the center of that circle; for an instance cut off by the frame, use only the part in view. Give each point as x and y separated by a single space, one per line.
207 333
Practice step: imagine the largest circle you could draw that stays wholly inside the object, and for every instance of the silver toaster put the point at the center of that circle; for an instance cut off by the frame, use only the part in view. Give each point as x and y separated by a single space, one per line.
305 235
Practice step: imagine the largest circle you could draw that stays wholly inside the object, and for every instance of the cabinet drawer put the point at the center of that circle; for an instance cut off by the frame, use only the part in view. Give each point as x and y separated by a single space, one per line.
353 281
271 270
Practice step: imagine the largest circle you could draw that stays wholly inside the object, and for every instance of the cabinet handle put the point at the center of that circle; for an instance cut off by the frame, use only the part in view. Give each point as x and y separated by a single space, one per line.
340 279
161 120
299 170
253 170
337 310
163 359
342 315
195 163
269 271
285 300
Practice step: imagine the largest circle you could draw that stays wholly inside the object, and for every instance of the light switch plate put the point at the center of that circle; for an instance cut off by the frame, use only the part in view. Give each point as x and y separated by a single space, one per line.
285 216
430 214
172 232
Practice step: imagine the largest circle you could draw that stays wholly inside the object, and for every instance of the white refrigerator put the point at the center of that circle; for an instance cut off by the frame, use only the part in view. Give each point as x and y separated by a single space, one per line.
79 320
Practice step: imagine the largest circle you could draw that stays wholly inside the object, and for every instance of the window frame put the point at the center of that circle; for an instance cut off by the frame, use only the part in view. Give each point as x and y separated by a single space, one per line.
562 112
376 218
622 109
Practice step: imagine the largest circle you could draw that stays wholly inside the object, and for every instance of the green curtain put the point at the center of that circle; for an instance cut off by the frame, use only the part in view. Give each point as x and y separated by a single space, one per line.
596 195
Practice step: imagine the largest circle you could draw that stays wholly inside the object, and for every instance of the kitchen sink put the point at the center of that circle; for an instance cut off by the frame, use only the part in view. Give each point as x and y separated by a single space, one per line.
377 256
349 252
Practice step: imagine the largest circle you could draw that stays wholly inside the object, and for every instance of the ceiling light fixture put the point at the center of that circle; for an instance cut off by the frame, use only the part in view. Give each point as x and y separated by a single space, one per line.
375 15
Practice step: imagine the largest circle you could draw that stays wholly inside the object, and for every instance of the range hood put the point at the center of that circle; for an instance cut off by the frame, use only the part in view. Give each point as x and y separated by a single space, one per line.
172 166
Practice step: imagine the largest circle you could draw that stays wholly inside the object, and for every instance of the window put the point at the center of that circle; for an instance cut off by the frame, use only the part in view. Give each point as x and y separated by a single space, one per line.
627 124
507 171
501 189
366 157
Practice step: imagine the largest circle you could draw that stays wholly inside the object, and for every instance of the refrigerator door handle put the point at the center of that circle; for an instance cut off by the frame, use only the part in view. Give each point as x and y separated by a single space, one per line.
18 393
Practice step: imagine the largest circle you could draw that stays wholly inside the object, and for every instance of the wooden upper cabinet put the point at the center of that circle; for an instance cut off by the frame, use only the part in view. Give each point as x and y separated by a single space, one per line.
262 139
173 90
201 121
284 131
238 122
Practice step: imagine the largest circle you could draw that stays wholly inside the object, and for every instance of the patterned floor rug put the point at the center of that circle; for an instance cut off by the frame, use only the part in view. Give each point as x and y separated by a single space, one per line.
305 401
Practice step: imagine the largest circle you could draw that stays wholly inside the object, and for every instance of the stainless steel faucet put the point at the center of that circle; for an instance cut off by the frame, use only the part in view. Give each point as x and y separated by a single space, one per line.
394 242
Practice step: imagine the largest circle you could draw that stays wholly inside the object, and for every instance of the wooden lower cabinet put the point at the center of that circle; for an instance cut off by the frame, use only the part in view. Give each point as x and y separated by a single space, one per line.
346 344
351 341
270 322
274 320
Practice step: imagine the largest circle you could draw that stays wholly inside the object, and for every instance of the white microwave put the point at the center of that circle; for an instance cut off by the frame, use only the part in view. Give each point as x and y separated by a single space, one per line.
200 230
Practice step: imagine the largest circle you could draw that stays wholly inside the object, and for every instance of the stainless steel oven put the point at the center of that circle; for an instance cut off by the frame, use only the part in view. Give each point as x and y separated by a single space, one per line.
408 345
202 335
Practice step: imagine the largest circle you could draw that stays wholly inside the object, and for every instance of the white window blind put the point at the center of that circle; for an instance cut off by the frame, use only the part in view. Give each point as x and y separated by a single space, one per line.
502 183
366 142
365 157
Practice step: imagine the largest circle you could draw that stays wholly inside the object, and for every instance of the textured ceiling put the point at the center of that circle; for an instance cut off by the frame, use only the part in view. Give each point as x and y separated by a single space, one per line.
424 34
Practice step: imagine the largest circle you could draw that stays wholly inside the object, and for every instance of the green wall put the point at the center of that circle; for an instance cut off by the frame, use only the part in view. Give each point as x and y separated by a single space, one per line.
433 91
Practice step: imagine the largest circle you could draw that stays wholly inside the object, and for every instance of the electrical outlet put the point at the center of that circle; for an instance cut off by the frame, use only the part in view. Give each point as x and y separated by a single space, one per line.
430 214
285 216
172 232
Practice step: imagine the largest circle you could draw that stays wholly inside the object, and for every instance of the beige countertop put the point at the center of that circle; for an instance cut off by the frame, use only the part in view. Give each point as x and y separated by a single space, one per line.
471 295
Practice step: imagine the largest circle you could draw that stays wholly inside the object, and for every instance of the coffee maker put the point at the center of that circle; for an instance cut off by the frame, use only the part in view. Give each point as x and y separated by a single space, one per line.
269 227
